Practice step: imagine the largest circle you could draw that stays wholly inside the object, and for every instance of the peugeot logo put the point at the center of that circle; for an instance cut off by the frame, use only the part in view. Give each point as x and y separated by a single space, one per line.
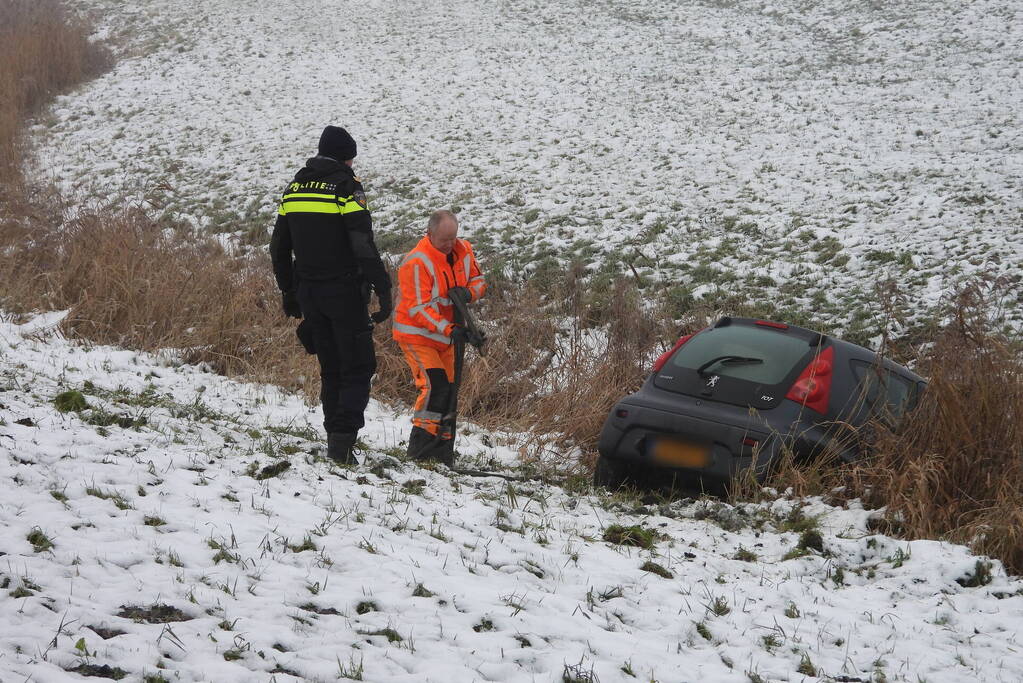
713 381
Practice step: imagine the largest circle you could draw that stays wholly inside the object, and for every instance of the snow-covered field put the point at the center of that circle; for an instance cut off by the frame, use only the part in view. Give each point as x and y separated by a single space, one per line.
172 525
790 154
142 532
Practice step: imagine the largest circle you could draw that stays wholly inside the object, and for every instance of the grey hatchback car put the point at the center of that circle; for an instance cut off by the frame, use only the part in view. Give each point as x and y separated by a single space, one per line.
737 394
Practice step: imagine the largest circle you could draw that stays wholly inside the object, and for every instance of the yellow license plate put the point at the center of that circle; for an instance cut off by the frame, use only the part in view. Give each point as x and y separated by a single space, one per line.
680 453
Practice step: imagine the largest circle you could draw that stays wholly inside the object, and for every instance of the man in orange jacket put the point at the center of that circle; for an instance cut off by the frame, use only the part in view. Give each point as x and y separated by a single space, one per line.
440 267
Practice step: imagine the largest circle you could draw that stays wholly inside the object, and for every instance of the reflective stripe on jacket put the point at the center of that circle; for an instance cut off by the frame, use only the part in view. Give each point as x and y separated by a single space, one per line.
425 314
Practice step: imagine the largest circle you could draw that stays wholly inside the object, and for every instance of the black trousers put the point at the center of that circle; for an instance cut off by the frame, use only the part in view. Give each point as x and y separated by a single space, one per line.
343 336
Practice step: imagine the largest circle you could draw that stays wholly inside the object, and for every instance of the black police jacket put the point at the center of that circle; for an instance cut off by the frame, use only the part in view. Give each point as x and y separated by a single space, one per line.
324 231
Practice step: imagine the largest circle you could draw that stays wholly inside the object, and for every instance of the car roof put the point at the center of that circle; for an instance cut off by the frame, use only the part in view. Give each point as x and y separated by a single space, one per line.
854 351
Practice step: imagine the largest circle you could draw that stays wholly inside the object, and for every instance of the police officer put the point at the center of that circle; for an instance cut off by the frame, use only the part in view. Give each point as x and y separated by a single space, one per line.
325 262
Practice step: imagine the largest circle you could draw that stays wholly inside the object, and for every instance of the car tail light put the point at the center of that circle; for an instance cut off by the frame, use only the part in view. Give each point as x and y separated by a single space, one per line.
768 323
621 412
750 441
663 358
813 386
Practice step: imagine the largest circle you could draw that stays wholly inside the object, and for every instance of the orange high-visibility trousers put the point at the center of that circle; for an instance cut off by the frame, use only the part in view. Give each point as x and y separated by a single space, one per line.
434 371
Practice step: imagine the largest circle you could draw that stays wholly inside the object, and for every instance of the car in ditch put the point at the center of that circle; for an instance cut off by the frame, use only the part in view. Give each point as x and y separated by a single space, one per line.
742 393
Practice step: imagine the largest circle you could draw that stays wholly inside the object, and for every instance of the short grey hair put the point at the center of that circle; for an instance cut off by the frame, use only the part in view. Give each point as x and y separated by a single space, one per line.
437 217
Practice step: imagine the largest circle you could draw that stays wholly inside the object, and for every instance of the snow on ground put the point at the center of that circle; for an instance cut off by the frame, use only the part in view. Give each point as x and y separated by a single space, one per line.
789 154
153 530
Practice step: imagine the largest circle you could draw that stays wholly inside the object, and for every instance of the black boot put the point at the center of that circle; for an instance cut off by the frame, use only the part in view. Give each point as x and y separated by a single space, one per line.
339 447
420 444
444 451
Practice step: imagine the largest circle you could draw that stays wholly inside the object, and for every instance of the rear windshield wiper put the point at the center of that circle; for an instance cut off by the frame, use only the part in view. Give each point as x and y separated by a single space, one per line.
726 360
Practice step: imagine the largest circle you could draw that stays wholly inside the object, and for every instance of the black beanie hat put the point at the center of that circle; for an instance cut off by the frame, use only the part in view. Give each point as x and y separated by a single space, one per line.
337 143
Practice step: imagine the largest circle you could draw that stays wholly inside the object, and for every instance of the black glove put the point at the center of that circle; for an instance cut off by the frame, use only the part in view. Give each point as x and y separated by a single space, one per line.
459 334
305 336
385 308
289 302
460 293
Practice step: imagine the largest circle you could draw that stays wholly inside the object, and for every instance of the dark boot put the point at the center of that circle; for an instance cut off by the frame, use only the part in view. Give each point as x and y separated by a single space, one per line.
444 451
339 447
420 444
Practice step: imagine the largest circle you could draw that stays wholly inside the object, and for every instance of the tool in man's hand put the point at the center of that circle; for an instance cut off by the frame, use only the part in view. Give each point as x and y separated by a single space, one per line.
473 335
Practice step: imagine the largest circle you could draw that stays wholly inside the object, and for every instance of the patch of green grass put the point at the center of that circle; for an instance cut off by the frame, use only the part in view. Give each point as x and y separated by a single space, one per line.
485 624
704 632
792 612
655 568
421 591
719 607
153 614
102 418
839 576
366 606
745 555
794 553
578 673
806 666
811 539
796 521
306 544
224 555
981 575
352 671
389 633
39 540
316 609
99 671
273 470
153 521
119 501
630 535
70 401
413 487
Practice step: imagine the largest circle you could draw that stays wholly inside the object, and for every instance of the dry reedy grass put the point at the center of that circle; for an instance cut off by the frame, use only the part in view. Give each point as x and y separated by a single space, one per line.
953 469
130 281
43 50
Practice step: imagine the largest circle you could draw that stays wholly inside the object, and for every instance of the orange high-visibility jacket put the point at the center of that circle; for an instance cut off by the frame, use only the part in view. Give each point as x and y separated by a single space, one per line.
424 313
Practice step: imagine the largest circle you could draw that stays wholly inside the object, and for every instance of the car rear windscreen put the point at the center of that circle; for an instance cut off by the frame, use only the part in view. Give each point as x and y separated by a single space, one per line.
777 353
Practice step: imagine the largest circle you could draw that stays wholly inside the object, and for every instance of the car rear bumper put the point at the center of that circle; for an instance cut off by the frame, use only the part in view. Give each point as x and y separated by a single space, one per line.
719 450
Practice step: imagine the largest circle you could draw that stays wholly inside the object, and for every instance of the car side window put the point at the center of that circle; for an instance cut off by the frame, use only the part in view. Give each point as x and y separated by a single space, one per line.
886 394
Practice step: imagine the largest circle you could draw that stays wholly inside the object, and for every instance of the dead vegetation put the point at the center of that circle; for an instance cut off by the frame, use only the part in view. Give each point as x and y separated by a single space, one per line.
44 50
953 469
